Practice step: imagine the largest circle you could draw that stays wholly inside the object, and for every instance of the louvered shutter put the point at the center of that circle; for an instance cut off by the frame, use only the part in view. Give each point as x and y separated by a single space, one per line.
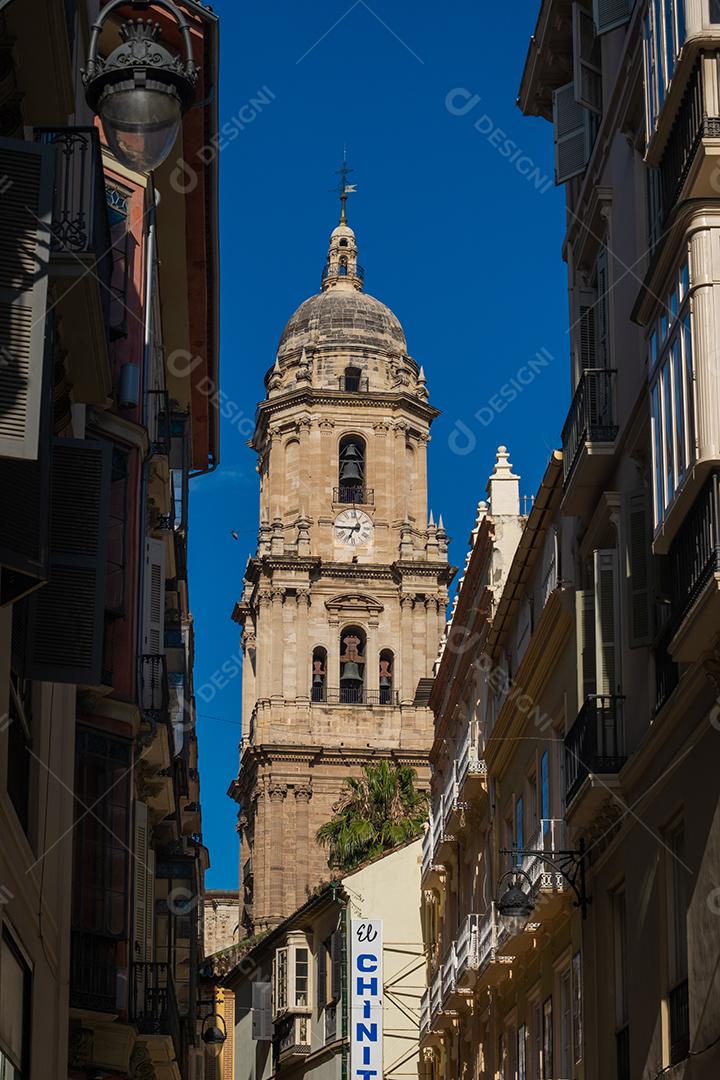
607 14
639 569
154 593
571 122
336 962
66 616
585 630
141 899
322 976
26 186
262 1025
607 636
587 73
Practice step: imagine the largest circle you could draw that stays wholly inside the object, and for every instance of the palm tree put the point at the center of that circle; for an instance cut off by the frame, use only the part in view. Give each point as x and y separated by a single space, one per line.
379 810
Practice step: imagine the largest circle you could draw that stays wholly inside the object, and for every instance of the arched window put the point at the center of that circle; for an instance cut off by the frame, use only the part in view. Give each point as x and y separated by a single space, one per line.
352 665
387 668
292 474
318 689
343 243
351 470
352 380
343 267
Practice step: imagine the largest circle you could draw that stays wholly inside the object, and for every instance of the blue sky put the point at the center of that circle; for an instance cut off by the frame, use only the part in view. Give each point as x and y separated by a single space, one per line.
459 235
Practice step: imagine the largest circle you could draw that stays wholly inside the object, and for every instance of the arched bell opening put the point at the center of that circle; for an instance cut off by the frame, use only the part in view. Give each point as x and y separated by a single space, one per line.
387 676
353 644
351 469
318 681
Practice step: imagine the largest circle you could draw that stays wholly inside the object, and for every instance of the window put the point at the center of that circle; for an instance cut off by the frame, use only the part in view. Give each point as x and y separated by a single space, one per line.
565 1024
545 786
670 362
532 788
664 35
15 1011
521 1053
318 689
291 979
19 747
547 1050
714 14
536 1041
353 380
351 470
352 665
577 1034
123 255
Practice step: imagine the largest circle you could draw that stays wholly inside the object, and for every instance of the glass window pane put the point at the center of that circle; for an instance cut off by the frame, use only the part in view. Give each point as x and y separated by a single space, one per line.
656 421
689 391
668 430
678 408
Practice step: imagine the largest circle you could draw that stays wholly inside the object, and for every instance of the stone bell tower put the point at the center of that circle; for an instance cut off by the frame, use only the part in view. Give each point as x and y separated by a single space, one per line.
344 602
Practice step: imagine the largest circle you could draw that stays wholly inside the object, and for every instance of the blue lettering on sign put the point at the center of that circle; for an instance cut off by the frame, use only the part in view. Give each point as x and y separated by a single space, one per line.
366 1074
362 1032
367 1006
367 962
366 1055
369 986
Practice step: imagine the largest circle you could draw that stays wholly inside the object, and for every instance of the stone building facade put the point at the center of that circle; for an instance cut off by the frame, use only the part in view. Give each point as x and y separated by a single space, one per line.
344 602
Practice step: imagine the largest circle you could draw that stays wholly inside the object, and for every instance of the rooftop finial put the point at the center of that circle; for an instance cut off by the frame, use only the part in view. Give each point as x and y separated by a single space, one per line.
343 187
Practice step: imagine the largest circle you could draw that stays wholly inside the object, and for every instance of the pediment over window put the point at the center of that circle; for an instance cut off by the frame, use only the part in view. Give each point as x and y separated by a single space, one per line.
354 603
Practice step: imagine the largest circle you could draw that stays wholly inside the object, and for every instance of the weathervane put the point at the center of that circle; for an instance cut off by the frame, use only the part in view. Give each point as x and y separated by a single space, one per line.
343 187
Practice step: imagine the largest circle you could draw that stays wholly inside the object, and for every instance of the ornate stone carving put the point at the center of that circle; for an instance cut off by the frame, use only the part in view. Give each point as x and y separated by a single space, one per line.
141 1066
277 791
303 792
80 1046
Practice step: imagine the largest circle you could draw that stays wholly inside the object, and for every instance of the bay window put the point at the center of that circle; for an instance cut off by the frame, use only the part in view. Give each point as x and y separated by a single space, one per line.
670 363
291 978
664 36
15 1003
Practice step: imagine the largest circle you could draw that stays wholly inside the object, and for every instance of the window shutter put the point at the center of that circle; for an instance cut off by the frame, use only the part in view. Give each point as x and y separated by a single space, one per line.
336 961
585 624
607 637
322 976
65 616
571 122
27 171
639 569
142 900
608 14
587 70
154 593
602 308
262 1025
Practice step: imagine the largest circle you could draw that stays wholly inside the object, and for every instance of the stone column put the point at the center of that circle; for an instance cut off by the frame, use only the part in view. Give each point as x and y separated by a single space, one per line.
333 660
431 631
303 661
264 646
275 835
372 674
407 690
303 842
400 478
288 647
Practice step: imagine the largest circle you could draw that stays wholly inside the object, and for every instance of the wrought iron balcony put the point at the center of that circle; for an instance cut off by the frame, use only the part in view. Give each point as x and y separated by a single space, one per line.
80 228
595 742
695 551
667 671
549 836
679 1009
154 687
470 765
158 420
354 695
425 1012
592 415
93 972
353 384
154 1008
356 496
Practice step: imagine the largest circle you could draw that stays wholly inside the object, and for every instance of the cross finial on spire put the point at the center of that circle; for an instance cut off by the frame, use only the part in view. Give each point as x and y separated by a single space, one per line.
343 187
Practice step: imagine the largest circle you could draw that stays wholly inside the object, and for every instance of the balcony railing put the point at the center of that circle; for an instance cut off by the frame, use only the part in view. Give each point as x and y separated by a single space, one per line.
679 1009
466 947
449 972
354 695
595 742
691 126
154 1007
93 972
154 688
469 763
695 551
667 672
548 836
353 384
80 224
358 496
436 993
425 1012
592 414
158 420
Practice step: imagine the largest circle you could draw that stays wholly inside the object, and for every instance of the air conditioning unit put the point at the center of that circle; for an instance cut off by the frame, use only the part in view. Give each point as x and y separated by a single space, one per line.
295 1036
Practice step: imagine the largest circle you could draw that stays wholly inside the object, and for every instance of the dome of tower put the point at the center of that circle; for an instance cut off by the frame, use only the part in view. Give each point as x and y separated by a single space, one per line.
342 314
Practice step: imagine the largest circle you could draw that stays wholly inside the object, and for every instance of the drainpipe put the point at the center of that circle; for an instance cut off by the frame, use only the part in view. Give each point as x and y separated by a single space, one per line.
344 1002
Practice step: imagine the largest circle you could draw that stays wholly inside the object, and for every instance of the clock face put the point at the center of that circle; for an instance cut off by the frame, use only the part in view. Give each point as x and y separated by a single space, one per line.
353 528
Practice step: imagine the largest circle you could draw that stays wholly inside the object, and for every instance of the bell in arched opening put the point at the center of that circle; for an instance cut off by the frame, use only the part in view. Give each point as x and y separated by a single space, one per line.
352 666
318 689
386 677
351 471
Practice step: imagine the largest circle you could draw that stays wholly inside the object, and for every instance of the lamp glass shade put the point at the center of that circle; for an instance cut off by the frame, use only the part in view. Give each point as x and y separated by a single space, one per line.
515 908
141 125
214 1039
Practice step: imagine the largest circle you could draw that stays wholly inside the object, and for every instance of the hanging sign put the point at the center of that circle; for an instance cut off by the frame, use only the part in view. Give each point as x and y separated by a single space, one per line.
366 992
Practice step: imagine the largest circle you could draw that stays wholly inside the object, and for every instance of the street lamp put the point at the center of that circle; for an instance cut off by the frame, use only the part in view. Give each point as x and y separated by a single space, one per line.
515 906
213 1035
142 89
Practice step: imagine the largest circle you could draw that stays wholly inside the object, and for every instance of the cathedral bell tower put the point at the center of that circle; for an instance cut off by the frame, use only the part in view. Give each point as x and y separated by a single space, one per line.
343 605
